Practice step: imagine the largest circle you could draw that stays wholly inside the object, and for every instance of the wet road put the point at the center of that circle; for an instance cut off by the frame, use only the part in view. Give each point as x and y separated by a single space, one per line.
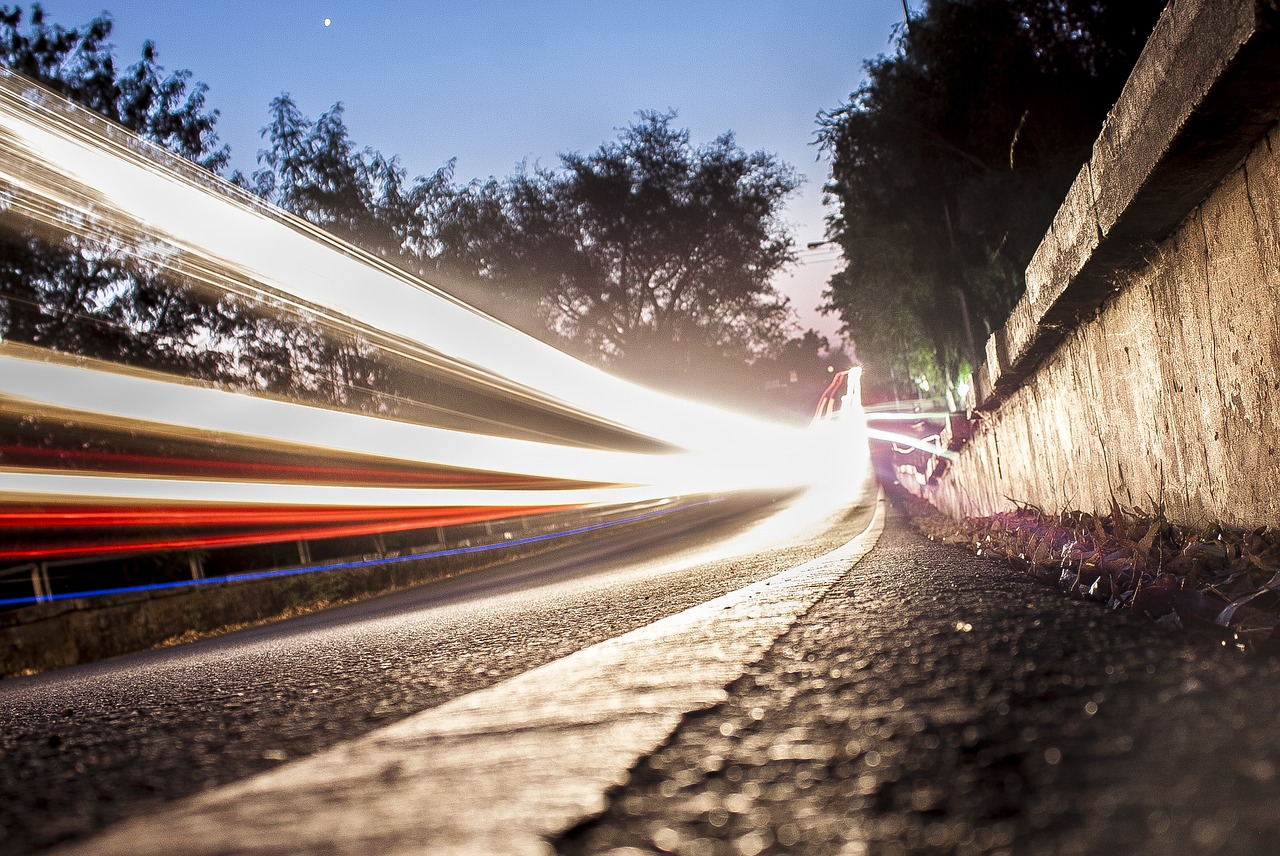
86 747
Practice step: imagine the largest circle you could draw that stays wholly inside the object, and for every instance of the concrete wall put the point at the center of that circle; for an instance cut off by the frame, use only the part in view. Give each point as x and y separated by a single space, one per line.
1144 360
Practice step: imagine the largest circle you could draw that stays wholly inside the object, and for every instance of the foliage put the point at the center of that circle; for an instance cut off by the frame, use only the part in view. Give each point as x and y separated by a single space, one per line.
80 64
84 295
949 163
315 170
649 253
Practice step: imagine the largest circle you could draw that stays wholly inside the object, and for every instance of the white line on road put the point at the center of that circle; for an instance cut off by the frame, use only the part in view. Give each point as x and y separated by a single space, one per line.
503 769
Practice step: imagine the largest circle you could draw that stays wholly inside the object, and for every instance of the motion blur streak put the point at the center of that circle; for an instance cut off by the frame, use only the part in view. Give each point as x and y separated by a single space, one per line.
104 518
880 415
908 440
359 563
306 526
19 485
405 476
161 407
99 393
64 159
282 470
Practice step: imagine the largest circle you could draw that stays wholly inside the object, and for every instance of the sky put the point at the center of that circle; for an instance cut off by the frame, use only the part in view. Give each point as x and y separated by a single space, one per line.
494 84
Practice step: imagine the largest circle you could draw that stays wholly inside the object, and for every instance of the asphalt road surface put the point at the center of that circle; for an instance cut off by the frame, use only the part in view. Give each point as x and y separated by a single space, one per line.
926 702
85 747
937 703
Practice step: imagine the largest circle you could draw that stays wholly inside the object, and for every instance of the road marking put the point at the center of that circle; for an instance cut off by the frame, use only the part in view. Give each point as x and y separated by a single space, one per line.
501 770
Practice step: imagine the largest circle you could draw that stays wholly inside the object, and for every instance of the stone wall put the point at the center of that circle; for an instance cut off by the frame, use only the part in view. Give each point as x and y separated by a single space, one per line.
1144 361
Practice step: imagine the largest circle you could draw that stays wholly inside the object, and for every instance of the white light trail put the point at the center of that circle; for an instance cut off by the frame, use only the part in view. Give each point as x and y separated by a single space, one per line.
98 392
907 416
149 404
65 170
210 219
913 442
23 485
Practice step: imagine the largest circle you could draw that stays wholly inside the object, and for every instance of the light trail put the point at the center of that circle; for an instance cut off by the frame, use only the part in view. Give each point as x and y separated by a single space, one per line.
20 485
405 476
297 524
164 408
359 563
93 517
283 470
913 442
76 162
907 416
99 394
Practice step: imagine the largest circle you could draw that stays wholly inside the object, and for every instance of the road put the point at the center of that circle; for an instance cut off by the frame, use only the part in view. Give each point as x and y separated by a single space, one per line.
86 747
937 703
914 699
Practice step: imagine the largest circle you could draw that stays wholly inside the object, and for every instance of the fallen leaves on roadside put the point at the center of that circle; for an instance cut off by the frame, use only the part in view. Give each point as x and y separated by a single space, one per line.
1129 559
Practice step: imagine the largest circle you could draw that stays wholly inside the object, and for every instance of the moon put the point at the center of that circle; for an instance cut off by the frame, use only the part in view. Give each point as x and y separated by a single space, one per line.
327 22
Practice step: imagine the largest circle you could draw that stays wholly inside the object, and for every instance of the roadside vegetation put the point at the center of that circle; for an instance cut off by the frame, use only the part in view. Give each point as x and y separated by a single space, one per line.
947 166
1211 577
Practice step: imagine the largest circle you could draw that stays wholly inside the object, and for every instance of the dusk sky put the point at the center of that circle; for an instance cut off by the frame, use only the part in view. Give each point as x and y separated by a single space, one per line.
497 83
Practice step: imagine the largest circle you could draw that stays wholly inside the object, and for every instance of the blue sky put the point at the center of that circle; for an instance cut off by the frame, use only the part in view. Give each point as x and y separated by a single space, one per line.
497 83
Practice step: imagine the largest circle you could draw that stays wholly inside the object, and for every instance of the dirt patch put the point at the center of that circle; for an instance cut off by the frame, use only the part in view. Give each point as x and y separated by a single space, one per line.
1214 577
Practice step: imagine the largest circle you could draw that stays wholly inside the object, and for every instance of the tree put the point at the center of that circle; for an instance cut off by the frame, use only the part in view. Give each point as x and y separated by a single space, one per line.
949 163
83 294
650 254
315 171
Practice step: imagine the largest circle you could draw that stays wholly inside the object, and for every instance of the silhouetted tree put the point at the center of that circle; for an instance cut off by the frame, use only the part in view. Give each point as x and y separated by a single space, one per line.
83 294
950 161
649 253
315 171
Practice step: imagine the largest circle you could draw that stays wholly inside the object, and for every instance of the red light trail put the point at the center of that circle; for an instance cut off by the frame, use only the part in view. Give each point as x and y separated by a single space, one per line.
248 527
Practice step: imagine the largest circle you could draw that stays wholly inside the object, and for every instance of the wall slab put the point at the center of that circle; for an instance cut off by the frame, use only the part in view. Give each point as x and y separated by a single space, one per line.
1143 363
